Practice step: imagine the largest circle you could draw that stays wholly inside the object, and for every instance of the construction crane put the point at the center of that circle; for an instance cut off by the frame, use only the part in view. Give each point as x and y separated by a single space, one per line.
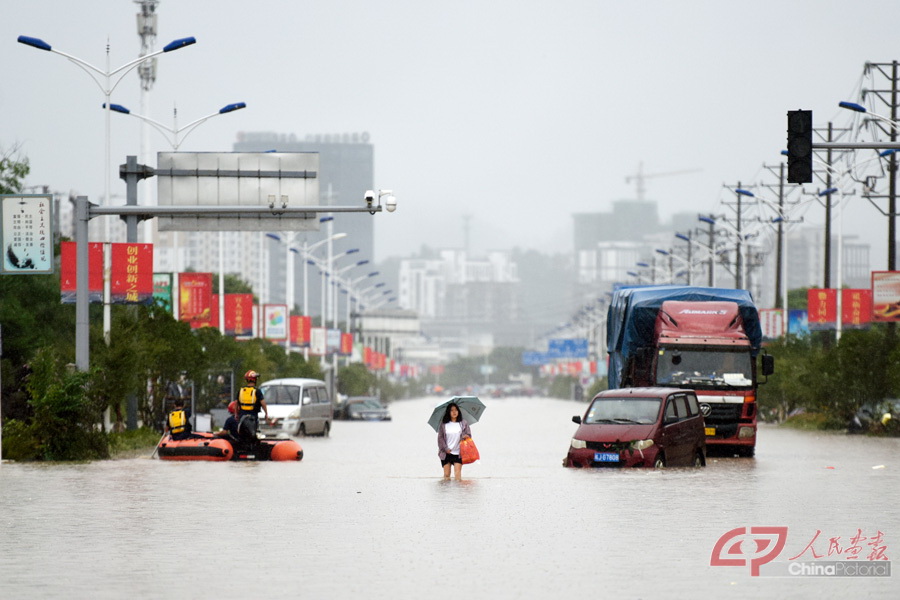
640 176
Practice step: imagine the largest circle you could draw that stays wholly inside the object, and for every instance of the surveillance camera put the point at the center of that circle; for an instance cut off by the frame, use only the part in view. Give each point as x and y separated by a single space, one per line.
370 197
390 203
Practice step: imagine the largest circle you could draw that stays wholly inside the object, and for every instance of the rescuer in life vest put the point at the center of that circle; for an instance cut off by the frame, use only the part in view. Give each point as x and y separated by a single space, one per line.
177 422
250 402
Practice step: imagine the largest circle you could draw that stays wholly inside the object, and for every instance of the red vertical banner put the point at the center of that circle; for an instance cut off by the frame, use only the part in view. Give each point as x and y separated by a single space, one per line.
68 267
346 344
300 331
239 315
195 299
856 308
131 279
367 356
821 308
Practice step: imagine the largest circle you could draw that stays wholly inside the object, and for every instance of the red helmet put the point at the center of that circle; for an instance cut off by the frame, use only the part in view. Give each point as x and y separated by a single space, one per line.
232 406
251 375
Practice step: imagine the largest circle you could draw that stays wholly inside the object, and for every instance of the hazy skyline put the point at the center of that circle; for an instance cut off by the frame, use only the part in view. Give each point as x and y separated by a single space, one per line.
510 116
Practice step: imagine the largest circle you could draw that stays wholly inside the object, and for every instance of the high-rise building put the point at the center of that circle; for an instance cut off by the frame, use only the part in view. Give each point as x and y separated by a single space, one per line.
346 172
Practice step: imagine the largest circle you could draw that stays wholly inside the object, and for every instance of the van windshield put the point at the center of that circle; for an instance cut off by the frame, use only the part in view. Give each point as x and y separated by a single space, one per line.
623 410
281 394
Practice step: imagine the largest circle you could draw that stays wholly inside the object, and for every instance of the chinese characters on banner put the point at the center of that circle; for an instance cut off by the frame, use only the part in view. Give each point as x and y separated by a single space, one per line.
772 322
821 308
886 296
25 235
239 315
195 299
300 331
856 308
131 279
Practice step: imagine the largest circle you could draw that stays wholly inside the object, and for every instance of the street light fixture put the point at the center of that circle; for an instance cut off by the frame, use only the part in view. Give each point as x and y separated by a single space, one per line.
107 84
175 130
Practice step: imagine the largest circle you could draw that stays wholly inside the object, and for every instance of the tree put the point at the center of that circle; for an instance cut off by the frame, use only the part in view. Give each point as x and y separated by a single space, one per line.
13 171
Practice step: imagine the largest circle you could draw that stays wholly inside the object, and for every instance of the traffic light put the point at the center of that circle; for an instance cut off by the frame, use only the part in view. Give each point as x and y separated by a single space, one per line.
799 146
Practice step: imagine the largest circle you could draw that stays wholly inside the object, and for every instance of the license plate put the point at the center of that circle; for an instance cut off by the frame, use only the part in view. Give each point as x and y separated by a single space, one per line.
710 431
606 457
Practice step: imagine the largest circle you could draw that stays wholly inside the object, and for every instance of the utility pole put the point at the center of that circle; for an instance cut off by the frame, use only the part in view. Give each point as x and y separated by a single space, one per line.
739 192
781 278
146 29
888 97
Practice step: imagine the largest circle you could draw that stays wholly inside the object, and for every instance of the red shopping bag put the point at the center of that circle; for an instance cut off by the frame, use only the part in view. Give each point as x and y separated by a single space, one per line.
468 453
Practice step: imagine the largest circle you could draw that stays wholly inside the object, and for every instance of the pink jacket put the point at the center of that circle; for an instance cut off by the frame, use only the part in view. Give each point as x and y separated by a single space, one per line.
442 437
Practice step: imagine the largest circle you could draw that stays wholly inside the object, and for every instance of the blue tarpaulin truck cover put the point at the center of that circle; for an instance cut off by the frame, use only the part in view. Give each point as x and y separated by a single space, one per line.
632 316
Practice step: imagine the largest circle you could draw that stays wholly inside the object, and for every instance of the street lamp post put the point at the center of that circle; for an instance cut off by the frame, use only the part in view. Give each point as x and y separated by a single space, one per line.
739 266
350 287
711 247
107 84
307 260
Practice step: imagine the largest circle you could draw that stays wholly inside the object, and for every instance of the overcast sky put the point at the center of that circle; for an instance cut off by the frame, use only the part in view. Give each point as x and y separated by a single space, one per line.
516 114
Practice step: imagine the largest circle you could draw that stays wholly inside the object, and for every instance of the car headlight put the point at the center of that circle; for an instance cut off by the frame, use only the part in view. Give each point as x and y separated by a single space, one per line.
641 444
295 414
576 443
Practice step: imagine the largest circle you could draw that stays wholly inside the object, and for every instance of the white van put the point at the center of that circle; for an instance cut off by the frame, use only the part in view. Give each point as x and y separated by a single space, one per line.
298 406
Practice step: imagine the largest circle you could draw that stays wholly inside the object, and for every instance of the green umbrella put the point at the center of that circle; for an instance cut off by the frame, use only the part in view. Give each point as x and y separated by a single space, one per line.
470 409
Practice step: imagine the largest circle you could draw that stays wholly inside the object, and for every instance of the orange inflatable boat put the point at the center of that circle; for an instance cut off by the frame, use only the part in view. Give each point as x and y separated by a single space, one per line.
209 447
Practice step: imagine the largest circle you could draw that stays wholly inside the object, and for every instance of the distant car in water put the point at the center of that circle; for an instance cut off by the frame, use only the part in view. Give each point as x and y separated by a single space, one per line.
364 408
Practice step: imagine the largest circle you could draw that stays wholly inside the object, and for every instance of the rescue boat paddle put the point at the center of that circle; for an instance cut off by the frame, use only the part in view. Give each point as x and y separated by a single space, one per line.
155 450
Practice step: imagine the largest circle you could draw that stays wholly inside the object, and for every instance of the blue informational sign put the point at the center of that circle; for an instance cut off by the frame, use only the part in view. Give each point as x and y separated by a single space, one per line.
568 348
533 359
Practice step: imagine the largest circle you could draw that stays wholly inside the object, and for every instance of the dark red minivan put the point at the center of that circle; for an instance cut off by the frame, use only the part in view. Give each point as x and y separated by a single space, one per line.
639 427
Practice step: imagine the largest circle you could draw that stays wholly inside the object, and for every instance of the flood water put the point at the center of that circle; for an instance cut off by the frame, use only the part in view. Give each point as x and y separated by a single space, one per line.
366 514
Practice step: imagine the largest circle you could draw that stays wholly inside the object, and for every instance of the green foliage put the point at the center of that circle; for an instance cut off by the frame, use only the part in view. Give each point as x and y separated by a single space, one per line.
595 388
830 381
20 441
65 411
356 380
127 443
814 422
561 387
13 171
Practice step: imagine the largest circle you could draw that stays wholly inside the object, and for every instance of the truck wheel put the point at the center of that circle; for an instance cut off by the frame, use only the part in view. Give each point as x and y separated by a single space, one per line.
747 452
660 462
327 429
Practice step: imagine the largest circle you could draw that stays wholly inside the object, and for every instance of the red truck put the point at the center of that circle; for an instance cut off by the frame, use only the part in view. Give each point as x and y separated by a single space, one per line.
704 339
